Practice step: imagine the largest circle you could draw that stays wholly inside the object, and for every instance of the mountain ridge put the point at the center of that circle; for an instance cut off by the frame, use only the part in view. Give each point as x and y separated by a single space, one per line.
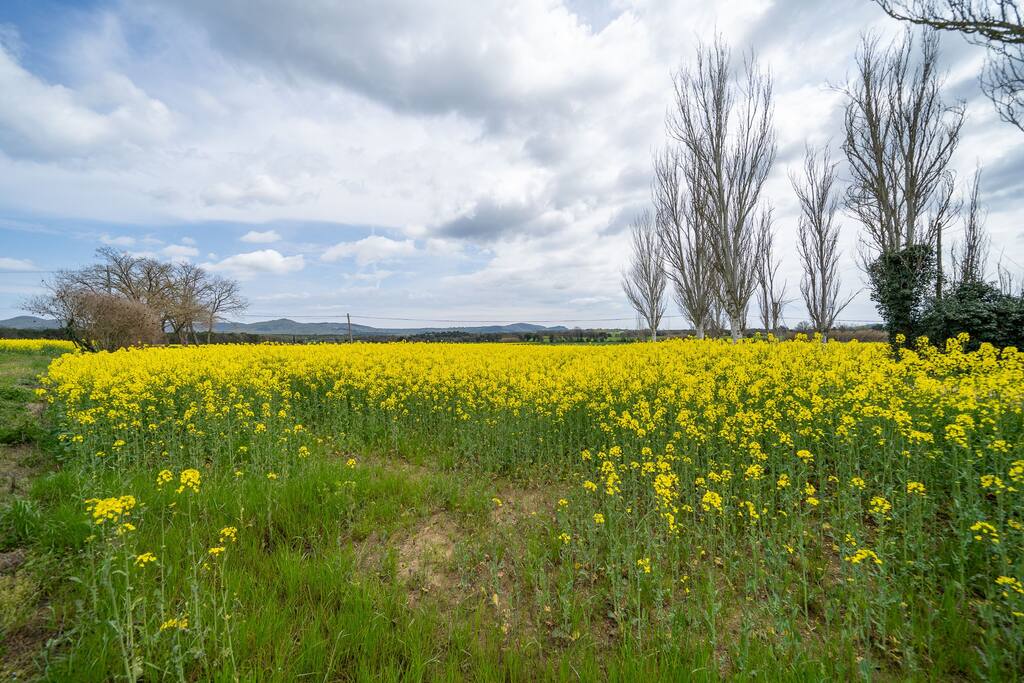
287 326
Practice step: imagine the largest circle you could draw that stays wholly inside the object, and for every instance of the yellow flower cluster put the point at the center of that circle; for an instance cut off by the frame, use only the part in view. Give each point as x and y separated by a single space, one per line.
110 509
36 345
787 444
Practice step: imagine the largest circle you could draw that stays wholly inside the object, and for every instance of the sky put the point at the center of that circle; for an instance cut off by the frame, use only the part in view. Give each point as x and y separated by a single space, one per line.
411 163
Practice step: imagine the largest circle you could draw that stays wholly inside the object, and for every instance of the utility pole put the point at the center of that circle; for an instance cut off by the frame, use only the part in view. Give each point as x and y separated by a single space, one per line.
348 317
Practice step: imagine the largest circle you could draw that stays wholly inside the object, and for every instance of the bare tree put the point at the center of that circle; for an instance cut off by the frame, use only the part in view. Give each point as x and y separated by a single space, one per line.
184 306
899 137
222 296
818 240
684 241
96 320
970 261
771 295
180 295
644 281
727 143
993 24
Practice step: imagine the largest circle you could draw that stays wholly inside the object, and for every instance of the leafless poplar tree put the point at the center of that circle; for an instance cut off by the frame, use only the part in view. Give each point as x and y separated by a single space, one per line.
996 25
771 295
644 280
970 260
727 144
684 242
818 240
899 137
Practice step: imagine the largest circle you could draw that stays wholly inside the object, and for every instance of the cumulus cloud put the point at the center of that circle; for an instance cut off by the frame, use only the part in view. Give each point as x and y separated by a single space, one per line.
48 122
369 250
495 60
264 237
255 263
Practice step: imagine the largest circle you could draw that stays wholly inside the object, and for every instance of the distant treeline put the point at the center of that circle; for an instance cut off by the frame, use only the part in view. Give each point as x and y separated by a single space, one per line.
574 336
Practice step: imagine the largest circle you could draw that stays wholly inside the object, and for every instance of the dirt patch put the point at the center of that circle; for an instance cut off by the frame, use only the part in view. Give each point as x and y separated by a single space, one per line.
21 647
36 408
518 504
424 558
10 561
18 464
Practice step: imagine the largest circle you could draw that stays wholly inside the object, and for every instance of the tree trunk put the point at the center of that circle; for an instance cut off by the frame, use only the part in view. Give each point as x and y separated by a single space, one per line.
700 331
734 329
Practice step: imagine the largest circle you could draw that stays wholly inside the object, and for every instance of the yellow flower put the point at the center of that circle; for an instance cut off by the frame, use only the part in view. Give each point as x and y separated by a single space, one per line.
645 564
216 550
271 475
985 531
915 488
189 479
496 501
350 463
857 483
880 506
590 486
163 477
564 538
180 623
861 555
711 501
144 559
110 509
783 481
562 502
228 532
598 518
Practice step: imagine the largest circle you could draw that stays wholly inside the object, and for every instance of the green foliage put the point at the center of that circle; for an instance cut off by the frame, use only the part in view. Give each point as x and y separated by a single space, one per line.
980 310
900 283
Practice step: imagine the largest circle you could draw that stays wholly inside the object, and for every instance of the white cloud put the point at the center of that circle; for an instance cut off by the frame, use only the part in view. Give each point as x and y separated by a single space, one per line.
179 251
7 263
372 249
254 263
265 237
262 189
48 122
118 241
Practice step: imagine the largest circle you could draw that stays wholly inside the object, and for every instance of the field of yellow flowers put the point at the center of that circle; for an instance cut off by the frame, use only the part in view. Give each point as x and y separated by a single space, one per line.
692 509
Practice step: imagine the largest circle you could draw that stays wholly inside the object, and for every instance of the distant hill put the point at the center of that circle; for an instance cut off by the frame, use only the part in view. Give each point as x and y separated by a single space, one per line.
284 326
29 322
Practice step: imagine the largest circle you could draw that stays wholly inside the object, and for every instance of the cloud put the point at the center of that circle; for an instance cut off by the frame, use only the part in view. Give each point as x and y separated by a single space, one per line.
491 59
369 250
262 189
48 122
177 252
7 263
119 241
489 219
254 263
265 237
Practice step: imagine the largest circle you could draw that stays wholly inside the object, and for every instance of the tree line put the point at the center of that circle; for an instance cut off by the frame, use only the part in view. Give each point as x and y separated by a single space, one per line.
129 300
710 235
